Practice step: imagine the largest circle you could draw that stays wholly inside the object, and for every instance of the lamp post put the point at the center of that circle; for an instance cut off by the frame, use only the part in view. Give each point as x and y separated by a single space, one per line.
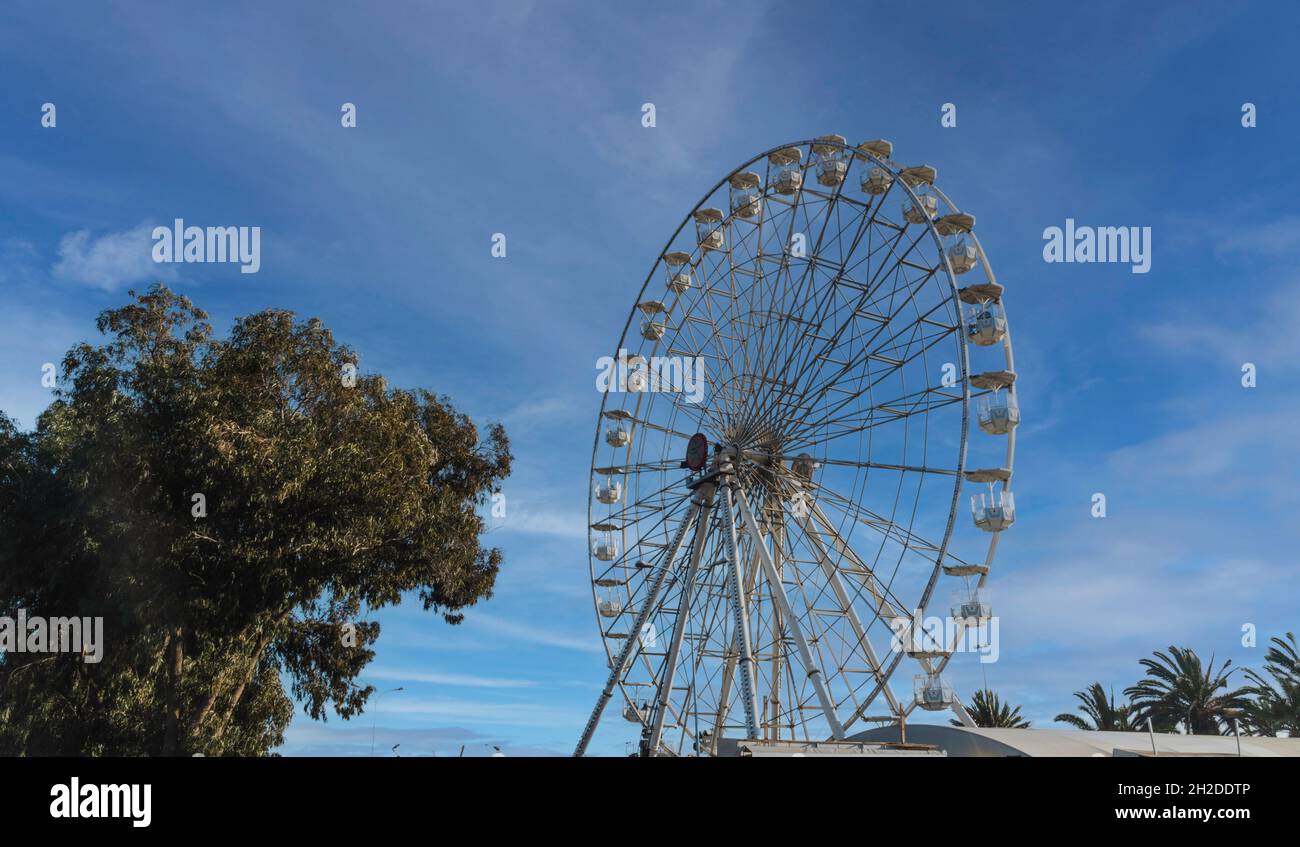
375 718
1233 714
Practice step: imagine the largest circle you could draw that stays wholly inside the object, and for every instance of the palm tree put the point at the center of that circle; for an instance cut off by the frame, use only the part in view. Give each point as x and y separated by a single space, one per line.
1101 710
1180 692
1276 707
988 711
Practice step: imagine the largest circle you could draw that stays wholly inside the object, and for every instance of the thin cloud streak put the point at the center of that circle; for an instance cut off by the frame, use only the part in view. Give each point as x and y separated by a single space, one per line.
454 679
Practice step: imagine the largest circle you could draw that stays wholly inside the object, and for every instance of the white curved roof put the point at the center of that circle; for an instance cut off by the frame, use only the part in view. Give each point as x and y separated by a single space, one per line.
974 741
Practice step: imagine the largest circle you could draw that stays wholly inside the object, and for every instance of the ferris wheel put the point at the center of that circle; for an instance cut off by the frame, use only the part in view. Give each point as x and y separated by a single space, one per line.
779 460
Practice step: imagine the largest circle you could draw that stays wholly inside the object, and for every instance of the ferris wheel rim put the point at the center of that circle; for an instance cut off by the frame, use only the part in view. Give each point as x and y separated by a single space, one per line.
951 296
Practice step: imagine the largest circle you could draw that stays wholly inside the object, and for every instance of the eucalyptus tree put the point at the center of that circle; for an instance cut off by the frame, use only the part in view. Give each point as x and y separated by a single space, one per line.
233 509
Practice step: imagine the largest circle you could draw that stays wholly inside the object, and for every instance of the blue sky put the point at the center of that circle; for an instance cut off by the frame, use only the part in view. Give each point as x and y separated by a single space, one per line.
524 119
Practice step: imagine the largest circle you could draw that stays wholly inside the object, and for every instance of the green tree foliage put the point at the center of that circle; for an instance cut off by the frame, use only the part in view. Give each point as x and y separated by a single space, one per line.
1100 710
988 710
1181 692
325 498
1276 704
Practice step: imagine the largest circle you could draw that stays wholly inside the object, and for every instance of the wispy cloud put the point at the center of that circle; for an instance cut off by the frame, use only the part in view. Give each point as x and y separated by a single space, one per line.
526 517
535 634
1269 333
456 679
1272 238
109 261
483 713
18 258
544 411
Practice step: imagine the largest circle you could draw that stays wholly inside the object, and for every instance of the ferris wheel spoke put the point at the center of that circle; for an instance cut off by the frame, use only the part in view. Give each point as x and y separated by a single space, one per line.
786 265
879 415
782 257
936 664
902 407
886 466
677 404
857 347
883 600
631 468
704 348
734 315
879 353
890 355
715 339
791 285
666 430
904 537
654 501
923 661
846 602
779 347
866 291
886 600
753 331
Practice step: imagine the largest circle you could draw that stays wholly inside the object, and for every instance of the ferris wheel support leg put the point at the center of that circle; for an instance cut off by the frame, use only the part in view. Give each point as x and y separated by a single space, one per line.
962 715
724 699
787 611
846 602
741 616
647 607
729 667
773 723
679 628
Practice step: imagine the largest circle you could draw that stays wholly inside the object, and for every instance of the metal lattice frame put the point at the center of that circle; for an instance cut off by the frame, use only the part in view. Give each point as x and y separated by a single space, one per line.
754 598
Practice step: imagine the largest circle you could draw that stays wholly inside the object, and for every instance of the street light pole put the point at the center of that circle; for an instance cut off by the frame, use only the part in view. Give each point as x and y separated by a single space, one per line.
374 719
1233 714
